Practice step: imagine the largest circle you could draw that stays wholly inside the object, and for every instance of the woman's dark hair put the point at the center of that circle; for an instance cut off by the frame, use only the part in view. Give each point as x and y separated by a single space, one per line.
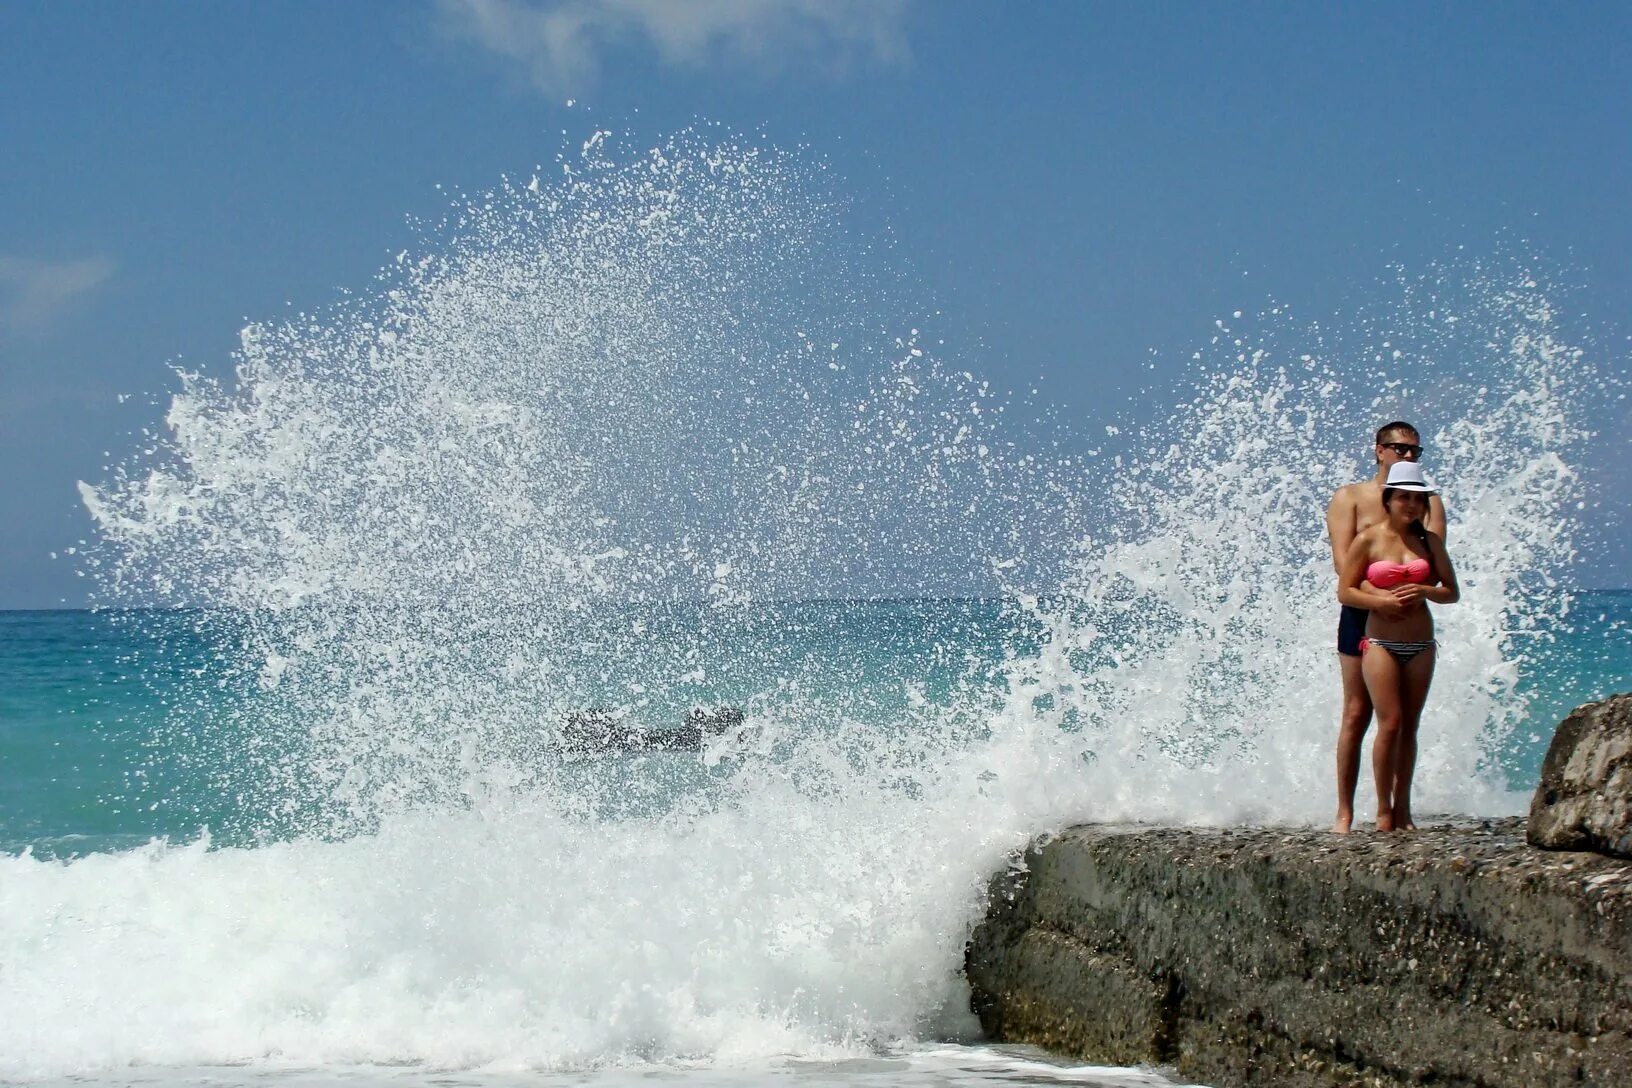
1416 526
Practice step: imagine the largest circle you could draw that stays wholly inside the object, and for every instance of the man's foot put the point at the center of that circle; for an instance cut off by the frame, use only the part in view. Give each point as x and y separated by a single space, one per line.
1385 821
1345 820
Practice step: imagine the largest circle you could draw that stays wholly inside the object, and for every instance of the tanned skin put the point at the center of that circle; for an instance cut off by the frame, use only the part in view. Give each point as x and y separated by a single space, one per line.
1399 613
1355 508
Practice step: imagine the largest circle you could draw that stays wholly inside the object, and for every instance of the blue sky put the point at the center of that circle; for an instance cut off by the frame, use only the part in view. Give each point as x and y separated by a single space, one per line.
1075 184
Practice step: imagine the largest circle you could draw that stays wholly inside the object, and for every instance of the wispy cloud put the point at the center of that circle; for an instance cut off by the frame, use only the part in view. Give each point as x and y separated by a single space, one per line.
34 293
560 42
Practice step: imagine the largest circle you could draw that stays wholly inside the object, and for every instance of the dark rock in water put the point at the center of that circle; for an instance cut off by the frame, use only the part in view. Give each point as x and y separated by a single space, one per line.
1584 801
600 729
1453 956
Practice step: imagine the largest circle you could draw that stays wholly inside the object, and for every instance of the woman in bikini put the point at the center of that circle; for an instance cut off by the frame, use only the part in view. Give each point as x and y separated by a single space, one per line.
1393 569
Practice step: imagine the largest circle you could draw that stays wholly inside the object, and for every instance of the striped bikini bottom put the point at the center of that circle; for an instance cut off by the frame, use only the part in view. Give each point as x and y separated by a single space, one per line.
1402 651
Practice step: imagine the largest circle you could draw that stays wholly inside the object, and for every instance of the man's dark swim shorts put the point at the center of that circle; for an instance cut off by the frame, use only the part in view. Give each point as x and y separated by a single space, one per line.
1351 628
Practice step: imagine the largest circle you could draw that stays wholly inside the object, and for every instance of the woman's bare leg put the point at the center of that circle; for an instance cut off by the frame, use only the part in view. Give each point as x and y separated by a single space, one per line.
1415 678
1382 675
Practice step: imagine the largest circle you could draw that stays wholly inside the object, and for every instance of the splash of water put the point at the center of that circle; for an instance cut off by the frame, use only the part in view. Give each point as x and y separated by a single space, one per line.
636 401
602 398
1193 645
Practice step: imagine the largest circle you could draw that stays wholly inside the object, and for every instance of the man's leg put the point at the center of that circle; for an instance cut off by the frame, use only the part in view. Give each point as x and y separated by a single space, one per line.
1351 734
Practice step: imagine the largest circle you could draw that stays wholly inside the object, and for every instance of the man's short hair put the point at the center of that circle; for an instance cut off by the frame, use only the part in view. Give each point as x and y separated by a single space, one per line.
1398 425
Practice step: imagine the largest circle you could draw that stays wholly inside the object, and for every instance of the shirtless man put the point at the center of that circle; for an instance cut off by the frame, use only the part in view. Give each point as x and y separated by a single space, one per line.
1353 508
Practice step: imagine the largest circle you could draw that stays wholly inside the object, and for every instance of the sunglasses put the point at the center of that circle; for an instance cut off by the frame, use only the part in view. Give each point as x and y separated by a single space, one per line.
1404 449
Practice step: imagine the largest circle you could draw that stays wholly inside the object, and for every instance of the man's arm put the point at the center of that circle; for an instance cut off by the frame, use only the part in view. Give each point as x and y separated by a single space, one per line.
1434 522
1353 589
1340 524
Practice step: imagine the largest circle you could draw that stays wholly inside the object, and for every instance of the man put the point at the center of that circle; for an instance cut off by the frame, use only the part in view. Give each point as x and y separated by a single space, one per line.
1354 508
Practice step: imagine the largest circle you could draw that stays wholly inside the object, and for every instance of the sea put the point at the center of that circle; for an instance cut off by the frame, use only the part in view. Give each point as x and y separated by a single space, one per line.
621 643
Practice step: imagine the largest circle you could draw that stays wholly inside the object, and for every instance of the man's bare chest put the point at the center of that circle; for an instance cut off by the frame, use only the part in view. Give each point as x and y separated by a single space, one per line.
1368 509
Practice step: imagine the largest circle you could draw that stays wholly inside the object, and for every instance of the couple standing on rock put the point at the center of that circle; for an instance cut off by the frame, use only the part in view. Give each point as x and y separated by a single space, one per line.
1388 545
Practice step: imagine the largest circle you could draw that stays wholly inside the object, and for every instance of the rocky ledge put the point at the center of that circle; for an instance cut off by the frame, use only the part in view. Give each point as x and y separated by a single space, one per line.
1458 955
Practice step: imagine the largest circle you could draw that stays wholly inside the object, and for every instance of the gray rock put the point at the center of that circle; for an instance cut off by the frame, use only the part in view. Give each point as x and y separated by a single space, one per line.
1584 801
1457 956
603 729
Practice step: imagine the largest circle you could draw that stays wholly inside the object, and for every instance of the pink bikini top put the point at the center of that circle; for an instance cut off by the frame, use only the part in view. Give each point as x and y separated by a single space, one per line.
1382 575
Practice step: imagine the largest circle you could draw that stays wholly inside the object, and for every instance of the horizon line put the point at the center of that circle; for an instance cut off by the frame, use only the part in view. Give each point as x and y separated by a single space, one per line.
878 599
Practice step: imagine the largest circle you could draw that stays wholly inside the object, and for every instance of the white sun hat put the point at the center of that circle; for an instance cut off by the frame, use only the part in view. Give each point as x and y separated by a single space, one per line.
1408 476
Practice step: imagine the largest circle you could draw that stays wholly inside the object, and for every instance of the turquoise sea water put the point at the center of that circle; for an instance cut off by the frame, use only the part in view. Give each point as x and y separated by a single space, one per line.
150 882
117 727
108 720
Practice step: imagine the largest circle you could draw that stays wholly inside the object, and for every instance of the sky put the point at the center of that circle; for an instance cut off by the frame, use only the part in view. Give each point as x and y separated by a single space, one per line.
1084 187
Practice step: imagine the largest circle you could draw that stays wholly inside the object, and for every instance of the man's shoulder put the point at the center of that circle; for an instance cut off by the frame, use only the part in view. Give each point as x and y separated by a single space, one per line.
1349 492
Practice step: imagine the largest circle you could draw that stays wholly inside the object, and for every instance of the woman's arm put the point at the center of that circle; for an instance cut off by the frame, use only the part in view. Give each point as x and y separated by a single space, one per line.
1448 591
1350 589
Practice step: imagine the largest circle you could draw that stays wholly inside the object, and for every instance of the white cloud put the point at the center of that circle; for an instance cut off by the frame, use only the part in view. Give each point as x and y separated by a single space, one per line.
33 293
560 42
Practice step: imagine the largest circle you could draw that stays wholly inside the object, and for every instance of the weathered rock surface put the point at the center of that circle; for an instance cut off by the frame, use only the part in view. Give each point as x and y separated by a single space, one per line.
1454 956
600 730
1584 801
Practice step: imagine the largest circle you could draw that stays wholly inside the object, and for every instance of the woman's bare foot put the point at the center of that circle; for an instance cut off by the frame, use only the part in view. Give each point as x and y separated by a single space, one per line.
1345 820
1385 821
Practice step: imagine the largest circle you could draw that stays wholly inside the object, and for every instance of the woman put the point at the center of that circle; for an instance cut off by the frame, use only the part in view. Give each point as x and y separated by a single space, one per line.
1393 569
